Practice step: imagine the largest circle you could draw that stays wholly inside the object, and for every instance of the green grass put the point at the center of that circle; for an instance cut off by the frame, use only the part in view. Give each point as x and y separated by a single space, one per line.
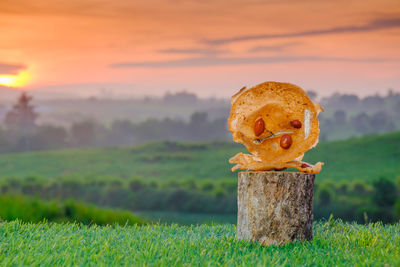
334 244
185 218
365 158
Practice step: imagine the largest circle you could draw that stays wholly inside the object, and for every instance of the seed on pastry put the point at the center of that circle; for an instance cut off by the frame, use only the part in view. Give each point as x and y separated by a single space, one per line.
305 165
296 124
259 127
286 141
277 123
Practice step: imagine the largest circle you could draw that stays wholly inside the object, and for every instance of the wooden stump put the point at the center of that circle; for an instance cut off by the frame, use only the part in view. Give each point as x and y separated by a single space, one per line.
275 208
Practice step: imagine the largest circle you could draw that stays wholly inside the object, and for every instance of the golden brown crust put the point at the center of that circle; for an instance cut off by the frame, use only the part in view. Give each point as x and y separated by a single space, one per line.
249 162
235 96
277 104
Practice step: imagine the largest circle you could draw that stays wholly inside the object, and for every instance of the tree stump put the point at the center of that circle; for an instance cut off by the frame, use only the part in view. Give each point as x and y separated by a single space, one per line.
275 208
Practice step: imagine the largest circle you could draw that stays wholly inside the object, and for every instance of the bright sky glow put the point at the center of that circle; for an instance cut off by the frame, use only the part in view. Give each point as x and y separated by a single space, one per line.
15 81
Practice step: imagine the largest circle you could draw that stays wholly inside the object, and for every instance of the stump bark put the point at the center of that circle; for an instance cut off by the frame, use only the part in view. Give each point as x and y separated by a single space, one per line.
275 208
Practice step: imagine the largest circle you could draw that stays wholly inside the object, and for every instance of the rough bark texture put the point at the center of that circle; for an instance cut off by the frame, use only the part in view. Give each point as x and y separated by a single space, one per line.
275 208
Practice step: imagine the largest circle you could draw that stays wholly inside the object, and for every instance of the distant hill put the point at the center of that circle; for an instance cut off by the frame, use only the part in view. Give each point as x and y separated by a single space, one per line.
365 158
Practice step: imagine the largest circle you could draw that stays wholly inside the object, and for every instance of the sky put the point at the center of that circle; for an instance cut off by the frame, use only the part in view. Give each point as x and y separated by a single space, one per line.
212 48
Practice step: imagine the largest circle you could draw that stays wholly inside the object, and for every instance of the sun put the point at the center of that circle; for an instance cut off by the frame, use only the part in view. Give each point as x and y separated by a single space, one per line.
8 80
15 81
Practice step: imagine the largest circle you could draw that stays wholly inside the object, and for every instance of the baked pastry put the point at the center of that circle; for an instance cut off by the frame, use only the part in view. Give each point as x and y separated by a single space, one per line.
277 123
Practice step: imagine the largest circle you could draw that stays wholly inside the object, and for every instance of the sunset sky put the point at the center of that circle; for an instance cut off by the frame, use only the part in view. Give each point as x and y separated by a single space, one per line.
213 48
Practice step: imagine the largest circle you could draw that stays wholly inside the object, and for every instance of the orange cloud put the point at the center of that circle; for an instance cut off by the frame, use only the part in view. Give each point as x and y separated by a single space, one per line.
6 68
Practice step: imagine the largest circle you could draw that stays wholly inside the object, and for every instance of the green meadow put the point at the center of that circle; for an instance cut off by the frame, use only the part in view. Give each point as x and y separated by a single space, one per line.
365 158
335 244
194 186
189 183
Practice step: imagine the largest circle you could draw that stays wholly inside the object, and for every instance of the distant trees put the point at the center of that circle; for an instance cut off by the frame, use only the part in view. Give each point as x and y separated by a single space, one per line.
373 101
121 133
340 117
361 123
86 133
385 192
339 101
351 201
378 122
22 116
349 99
23 134
197 125
382 122
20 120
325 197
396 108
180 98
48 136
360 188
382 207
346 116
5 144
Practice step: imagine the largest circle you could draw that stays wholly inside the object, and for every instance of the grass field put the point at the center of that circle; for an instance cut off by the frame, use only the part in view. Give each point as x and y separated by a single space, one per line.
184 218
364 158
334 244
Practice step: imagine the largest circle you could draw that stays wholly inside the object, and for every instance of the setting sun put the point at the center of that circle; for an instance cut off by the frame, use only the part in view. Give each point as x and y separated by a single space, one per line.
15 80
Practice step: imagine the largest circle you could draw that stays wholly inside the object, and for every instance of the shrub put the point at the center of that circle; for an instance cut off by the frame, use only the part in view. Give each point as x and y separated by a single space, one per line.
360 187
385 192
34 210
324 197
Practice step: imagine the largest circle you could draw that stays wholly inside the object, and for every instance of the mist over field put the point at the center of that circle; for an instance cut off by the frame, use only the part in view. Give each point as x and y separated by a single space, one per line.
166 158
182 116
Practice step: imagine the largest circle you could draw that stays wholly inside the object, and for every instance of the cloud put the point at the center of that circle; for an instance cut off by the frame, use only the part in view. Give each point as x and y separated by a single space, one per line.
275 48
377 24
221 61
11 68
193 51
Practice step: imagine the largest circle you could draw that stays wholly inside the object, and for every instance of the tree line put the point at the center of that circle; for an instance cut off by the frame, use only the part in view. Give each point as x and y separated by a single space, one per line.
346 116
349 200
20 131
